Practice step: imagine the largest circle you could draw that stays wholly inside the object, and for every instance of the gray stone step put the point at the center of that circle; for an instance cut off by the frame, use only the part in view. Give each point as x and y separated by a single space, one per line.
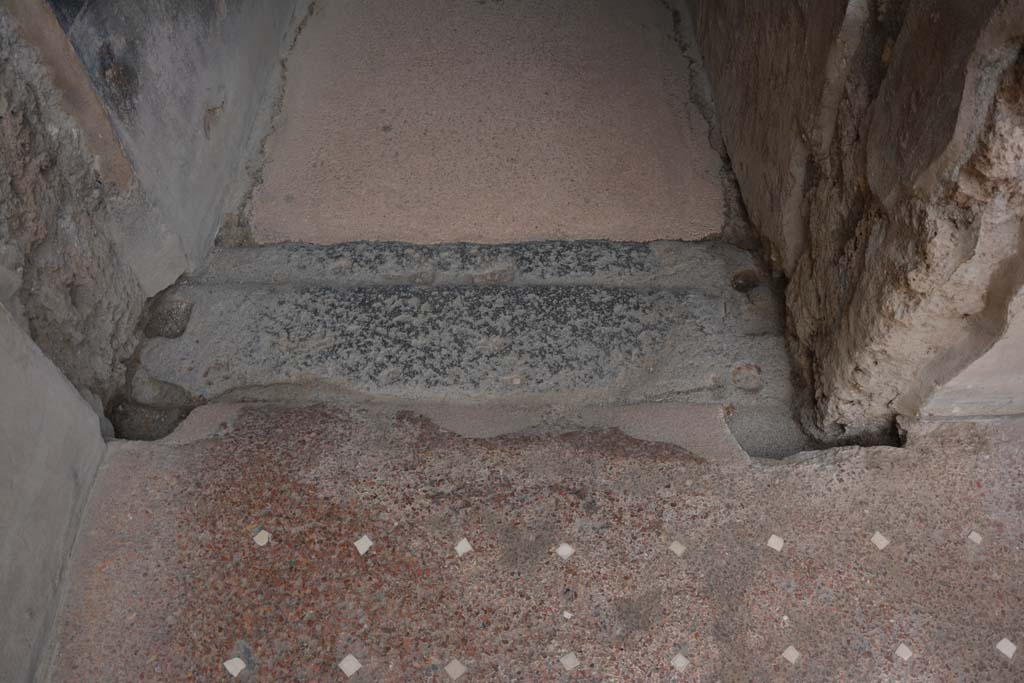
710 267
568 323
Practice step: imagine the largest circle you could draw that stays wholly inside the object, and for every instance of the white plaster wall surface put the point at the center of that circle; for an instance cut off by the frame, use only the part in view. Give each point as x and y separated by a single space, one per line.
50 449
429 121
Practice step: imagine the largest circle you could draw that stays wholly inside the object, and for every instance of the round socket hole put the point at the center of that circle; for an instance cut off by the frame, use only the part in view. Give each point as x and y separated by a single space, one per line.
745 280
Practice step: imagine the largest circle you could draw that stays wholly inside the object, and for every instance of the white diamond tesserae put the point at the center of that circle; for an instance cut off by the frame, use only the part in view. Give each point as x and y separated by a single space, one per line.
791 654
363 544
350 665
235 666
880 541
677 548
1006 647
775 543
455 669
262 537
565 551
569 661
975 537
463 547
903 652
679 663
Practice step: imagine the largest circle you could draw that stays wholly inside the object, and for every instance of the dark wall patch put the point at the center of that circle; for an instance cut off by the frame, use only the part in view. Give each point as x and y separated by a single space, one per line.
67 11
119 78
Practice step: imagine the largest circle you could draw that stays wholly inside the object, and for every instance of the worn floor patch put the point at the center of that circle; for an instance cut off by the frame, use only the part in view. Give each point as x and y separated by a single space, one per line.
168 584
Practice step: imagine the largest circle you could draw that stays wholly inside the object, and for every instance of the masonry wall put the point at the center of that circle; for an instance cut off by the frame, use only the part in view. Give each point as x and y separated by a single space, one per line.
875 149
66 195
126 144
190 86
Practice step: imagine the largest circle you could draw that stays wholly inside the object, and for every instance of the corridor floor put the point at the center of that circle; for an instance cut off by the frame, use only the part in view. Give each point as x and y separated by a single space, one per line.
489 121
586 556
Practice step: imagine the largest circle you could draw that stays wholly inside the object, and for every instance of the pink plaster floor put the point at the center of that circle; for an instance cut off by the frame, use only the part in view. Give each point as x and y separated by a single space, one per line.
168 584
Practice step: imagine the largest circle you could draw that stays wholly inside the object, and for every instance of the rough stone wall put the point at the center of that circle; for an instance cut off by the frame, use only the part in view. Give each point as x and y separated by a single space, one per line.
888 303
993 186
60 272
905 218
190 86
89 229
775 70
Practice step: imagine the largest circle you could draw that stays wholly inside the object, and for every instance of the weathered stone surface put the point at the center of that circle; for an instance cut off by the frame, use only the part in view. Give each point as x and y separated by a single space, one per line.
929 112
85 237
921 289
61 272
776 70
904 214
991 384
591 323
191 86
43 29
50 448
466 341
709 267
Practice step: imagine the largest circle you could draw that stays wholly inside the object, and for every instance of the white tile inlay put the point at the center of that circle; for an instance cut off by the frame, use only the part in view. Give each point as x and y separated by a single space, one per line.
363 544
775 542
1006 647
463 547
975 537
455 669
791 654
880 541
235 666
903 652
677 548
679 662
350 665
569 661
565 551
261 538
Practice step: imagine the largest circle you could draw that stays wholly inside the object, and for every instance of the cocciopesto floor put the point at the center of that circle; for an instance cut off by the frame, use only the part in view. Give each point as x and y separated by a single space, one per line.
585 557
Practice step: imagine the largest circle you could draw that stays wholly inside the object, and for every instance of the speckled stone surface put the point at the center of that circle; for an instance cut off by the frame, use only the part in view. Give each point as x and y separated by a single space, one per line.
433 341
167 583
548 322
708 267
